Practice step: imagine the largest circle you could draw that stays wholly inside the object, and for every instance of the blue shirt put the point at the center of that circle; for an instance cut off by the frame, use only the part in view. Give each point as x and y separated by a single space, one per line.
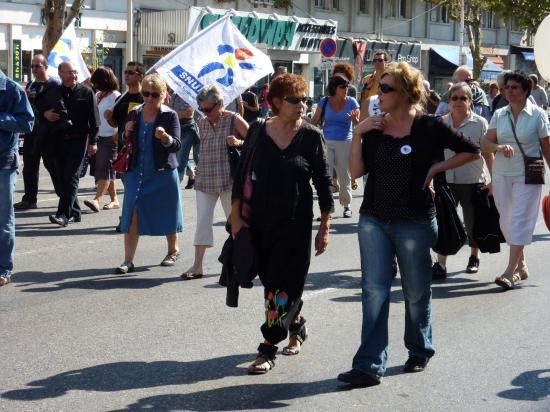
338 126
16 117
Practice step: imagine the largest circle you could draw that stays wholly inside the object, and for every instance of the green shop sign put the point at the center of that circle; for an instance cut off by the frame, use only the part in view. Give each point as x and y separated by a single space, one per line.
277 34
16 59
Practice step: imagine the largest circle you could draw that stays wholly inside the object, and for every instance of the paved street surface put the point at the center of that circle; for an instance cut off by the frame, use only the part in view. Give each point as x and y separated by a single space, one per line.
76 337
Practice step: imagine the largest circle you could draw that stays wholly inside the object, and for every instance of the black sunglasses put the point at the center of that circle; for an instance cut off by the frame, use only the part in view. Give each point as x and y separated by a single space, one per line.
463 98
131 72
295 100
207 110
35 66
154 95
384 88
343 86
378 60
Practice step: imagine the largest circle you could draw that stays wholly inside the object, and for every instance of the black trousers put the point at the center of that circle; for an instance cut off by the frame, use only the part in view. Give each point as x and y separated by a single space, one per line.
284 252
69 155
31 167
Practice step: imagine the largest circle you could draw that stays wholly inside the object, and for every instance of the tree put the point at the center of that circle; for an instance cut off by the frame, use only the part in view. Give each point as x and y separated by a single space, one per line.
527 14
57 20
473 15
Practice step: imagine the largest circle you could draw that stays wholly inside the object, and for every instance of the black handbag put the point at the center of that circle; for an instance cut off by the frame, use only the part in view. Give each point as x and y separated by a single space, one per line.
534 166
233 153
451 235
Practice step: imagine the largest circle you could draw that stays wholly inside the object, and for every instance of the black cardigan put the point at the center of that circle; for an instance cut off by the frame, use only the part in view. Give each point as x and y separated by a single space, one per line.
428 137
165 157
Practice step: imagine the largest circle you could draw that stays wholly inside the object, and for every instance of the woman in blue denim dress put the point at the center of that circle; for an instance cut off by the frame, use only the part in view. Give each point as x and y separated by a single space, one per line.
152 197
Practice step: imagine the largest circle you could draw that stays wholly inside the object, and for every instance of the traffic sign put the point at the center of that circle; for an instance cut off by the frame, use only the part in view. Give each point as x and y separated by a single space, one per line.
327 63
328 47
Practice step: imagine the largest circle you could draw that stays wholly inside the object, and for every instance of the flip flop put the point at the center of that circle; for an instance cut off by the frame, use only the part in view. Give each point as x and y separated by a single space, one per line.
111 206
190 275
92 204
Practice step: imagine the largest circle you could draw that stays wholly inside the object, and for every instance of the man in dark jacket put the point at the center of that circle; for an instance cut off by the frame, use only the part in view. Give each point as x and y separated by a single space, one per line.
71 145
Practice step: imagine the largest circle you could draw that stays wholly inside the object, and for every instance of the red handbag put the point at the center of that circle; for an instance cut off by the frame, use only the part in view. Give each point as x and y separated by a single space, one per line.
124 156
546 210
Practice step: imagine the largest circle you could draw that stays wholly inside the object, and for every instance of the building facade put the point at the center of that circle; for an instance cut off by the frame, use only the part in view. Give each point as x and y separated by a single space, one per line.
415 31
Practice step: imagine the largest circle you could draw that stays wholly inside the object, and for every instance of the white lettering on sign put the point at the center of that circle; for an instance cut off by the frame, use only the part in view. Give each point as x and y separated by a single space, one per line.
407 58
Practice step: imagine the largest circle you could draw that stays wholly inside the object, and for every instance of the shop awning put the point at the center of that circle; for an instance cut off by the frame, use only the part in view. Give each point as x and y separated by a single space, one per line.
528 55
497 60
450 53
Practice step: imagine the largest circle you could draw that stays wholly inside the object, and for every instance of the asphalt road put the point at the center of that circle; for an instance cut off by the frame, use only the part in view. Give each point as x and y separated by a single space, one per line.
76 337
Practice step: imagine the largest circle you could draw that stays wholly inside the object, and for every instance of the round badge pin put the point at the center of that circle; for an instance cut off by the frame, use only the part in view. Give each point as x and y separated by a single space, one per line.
406 149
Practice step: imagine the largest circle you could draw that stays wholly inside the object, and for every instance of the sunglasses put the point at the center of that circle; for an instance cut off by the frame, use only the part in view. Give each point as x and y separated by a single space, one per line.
35 66
295 100
463 98
75 72
343 86
384 88
377 60
154 95
508 87
131 72
207 110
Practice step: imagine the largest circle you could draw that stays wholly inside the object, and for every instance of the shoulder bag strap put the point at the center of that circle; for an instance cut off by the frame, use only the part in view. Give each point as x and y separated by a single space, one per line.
323 108
515 136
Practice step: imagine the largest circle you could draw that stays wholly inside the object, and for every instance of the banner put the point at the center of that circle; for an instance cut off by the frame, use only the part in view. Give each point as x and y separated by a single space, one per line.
218 55
66 49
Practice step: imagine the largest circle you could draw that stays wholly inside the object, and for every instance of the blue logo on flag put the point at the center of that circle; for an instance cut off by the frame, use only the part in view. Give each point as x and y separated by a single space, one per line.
187 79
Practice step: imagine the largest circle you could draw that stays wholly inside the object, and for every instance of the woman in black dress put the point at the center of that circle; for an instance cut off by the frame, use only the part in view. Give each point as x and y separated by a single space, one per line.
287 154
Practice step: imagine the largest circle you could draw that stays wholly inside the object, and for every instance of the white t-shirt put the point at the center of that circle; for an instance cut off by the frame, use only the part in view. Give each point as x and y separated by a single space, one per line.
532 125
107 103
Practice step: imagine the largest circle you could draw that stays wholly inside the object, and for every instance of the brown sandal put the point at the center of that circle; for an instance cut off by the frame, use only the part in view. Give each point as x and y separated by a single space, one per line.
170 259
4 280
190 275
261 366
297 331
505 281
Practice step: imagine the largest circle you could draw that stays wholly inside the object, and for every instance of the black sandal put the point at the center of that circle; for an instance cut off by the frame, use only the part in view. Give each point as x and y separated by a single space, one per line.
267 353
297 331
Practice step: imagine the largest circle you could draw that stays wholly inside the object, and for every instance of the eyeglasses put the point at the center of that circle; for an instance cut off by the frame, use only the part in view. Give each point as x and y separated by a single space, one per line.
384 88
207 110
508 87
131 72
35 66
469 80
75 72
378 60
463 98
295 99
154 95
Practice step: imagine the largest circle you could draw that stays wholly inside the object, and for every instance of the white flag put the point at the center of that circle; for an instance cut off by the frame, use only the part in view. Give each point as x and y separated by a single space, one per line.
218 55
66 49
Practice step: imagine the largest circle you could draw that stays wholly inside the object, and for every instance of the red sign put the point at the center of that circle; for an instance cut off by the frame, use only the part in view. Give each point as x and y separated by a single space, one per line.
328 47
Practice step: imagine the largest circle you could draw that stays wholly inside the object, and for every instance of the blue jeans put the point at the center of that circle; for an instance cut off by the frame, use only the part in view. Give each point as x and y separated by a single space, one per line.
379 241
7 221
189 138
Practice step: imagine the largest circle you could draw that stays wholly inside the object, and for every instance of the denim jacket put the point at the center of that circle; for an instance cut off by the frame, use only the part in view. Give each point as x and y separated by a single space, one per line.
16 117
165 156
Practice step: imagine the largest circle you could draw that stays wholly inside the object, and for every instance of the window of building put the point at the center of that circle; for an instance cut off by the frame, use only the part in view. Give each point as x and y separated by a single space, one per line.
364 6
439 14
514 26
328 4
398 9
488 20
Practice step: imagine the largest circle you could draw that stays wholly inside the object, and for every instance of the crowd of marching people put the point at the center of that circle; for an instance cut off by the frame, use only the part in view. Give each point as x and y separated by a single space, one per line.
259 156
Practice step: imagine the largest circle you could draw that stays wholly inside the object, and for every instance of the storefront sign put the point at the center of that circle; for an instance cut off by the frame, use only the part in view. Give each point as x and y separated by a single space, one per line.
281 33
17 60
399 52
